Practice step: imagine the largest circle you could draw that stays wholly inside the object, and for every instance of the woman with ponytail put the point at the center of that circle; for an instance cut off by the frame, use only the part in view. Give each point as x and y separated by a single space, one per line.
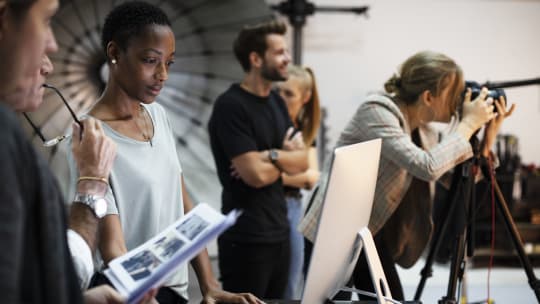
302 100
427 88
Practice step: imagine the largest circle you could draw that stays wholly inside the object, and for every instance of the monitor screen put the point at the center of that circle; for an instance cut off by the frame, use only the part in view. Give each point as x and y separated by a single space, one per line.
346 209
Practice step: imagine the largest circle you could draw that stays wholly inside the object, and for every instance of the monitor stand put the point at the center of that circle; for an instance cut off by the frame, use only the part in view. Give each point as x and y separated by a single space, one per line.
382 290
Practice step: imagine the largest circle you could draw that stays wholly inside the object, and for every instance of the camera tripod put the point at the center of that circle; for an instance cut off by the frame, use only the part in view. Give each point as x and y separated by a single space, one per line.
463 186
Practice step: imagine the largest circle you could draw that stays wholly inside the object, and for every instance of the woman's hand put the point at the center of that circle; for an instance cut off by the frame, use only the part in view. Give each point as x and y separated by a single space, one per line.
105 294
493 127
475 113
293 143
215 296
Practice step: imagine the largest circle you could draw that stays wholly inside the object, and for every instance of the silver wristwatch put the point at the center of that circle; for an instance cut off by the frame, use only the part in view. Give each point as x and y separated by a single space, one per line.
97 203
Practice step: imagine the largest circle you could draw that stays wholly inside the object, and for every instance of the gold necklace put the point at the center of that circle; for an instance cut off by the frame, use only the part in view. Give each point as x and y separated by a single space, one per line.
145 127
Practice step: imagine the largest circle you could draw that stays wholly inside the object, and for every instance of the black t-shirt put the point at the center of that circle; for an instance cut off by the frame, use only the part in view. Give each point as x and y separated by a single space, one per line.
35 262
242 122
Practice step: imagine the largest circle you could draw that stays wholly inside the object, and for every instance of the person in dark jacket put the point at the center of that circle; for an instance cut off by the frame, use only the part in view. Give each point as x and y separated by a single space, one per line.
35 261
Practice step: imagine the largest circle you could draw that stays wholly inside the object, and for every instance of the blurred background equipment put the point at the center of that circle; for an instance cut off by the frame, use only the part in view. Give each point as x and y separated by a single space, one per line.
297 12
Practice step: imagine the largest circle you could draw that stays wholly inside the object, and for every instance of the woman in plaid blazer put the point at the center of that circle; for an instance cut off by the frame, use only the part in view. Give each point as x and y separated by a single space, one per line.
428 88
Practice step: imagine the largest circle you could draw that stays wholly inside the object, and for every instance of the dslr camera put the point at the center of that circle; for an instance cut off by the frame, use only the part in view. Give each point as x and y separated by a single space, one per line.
476 88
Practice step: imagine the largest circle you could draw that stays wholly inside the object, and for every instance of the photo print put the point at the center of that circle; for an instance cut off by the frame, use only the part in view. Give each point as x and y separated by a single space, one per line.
167 246
141 265
192 227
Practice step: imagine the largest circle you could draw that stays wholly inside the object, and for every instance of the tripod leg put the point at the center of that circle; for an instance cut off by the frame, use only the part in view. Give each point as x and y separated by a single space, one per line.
449 208
457 267
516 239
462 182
455 270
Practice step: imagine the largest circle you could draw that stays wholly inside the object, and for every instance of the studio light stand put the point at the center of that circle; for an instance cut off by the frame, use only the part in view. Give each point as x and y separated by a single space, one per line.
298 10
463 186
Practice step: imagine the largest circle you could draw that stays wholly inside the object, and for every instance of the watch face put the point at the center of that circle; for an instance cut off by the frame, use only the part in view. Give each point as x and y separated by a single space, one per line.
100 207
273 155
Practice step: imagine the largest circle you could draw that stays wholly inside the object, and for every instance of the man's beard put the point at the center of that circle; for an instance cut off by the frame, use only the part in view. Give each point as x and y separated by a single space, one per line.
272 74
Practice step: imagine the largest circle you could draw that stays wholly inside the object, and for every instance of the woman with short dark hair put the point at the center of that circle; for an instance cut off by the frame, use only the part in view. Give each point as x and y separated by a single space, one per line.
147 192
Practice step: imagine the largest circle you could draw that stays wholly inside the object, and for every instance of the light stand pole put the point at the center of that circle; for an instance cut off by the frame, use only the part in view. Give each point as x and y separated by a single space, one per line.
298 10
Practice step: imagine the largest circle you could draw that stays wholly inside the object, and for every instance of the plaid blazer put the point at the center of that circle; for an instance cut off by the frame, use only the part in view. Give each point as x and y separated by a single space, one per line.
401 161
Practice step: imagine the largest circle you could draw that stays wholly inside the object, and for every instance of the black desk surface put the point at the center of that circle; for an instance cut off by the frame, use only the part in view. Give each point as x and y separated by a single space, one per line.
335 302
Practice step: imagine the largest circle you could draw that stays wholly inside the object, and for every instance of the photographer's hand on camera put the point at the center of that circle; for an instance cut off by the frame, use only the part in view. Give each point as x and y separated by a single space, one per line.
475 113
493 127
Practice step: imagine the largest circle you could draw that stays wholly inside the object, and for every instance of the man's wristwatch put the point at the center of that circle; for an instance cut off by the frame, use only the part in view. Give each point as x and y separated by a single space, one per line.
273 156
97 203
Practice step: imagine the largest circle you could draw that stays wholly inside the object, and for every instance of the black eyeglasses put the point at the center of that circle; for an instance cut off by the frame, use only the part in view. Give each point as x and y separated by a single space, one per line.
57 139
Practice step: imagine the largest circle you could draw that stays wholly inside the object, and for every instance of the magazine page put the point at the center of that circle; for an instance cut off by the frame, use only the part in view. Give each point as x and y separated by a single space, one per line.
150 264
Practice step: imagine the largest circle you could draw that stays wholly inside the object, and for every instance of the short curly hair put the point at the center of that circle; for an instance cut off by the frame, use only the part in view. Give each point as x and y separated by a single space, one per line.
253 39
20 7
128 20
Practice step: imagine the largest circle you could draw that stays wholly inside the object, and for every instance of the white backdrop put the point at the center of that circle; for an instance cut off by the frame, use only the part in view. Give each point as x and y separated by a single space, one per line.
491 40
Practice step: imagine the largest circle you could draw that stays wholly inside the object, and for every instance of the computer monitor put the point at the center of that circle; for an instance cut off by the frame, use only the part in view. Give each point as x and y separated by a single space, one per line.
346 209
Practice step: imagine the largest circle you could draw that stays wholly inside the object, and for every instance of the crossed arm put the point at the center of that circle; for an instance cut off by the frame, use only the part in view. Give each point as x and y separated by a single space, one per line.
307 179
256 169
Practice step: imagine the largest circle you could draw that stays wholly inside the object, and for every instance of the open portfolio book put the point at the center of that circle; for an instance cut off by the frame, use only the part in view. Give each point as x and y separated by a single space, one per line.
150 264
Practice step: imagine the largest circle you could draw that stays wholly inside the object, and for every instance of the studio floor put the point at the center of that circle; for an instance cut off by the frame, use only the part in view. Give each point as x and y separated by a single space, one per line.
508 285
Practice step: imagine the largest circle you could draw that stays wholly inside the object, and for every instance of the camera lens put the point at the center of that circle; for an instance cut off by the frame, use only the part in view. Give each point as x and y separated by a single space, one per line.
476 88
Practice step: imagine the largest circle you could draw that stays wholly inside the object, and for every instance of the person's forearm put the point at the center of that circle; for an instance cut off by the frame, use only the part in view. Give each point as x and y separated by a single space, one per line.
82 219
487 142
201 262
111 238
293 162
110 252
203 270
486 152
266 174
305 180
259 172
466 129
